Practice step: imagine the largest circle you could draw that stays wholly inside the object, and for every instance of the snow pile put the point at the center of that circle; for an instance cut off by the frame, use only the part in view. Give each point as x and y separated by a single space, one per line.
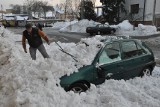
59 25
126 29
146 29
123 28
27 83
79 26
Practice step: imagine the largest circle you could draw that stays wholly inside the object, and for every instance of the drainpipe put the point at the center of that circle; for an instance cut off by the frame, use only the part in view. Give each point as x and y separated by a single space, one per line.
154 12
2 10
144 10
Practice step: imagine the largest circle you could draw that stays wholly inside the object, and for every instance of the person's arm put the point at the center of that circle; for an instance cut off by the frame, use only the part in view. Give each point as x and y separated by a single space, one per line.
24 43
44 36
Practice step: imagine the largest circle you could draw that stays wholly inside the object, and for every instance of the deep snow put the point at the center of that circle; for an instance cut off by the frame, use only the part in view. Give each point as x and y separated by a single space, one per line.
27 83
124 28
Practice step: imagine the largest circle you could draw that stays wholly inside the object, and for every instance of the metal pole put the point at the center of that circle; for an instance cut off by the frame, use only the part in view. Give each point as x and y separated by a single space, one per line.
66 10
144 10
82 9
2 11
154 12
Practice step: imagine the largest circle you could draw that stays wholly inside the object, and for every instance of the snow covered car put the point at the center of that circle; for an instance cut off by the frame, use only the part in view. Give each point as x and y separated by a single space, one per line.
100 29
118 59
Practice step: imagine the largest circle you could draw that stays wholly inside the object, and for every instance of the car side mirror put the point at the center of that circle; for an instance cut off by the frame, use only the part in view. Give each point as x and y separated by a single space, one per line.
98 66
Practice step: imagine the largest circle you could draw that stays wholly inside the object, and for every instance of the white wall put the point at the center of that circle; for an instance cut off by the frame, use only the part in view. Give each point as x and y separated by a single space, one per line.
157 6
148 10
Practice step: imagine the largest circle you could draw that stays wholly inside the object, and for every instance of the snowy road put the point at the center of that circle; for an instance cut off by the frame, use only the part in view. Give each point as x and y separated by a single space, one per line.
56 35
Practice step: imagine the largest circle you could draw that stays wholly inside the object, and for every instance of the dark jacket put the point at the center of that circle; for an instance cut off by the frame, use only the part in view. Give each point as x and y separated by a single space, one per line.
34 39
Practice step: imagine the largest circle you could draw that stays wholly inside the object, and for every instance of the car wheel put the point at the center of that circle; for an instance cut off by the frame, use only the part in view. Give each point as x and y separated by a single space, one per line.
98 33
91 34
112 32
146 72
78 87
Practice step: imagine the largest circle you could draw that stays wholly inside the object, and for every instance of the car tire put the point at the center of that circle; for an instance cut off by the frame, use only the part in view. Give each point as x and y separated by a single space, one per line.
112 32
98 33
146 72
91 34
78 87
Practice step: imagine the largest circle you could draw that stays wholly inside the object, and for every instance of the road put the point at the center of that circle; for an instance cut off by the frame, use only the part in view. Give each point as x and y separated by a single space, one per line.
55 35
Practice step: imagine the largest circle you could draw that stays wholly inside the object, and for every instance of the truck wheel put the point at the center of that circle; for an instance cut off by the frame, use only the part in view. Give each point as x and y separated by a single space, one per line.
78 87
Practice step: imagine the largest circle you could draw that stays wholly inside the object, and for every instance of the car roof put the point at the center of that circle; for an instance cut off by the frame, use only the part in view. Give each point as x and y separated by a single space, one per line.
119 40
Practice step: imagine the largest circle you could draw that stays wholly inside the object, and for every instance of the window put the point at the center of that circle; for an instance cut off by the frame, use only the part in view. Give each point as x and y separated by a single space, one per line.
135 8
131 49
111 53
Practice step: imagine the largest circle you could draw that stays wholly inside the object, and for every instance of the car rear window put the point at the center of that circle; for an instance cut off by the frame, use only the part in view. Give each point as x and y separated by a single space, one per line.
131 49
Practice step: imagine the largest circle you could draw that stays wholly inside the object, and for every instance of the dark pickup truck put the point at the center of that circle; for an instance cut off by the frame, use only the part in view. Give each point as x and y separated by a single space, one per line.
100 29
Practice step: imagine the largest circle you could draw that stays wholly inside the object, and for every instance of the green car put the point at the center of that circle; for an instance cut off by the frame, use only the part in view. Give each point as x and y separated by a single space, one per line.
118 59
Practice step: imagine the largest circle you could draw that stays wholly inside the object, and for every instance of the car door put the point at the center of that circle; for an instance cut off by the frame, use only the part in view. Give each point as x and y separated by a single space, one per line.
110 62
133 56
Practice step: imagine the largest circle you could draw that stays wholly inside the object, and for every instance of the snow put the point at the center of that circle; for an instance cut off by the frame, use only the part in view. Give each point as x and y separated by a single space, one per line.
59 25
79 26
127 29
27 83
22 18
122 29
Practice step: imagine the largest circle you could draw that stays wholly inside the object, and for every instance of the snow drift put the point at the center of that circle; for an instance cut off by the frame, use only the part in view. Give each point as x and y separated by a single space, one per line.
79 26
59 25
127 29
27 83
124 28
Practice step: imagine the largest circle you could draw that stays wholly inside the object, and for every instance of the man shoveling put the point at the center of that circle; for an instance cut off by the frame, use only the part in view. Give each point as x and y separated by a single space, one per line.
34 36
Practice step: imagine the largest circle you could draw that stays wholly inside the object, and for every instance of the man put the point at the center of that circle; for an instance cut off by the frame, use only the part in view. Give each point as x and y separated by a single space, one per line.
34 36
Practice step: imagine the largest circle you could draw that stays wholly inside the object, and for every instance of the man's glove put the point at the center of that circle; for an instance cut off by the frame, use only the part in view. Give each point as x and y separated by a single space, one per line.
48 43
25 50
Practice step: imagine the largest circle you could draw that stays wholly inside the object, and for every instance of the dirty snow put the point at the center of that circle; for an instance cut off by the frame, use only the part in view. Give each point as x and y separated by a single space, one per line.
27 83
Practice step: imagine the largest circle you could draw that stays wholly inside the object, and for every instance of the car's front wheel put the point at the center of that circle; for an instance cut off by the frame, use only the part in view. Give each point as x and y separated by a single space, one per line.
146 72
78 87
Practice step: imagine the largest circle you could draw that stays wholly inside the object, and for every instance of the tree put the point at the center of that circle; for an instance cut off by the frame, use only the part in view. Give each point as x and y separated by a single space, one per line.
112 9
16 8
37 7
29 5
87 10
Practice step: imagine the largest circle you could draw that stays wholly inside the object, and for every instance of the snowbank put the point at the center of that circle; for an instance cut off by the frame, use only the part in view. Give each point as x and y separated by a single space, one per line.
126 29
59 25
27 83
122 29
79 26
146 29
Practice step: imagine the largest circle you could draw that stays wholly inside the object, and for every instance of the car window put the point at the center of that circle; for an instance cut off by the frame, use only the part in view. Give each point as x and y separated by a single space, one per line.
100 26
106 25
110 54
131 49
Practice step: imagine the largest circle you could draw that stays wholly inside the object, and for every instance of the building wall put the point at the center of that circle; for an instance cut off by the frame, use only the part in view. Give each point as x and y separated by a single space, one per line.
139 16
157 6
